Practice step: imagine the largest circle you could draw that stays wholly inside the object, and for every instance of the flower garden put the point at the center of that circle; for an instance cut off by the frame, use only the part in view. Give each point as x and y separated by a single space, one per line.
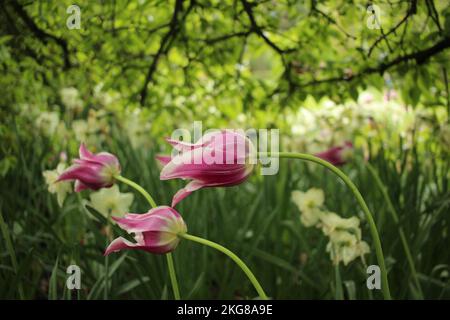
94 172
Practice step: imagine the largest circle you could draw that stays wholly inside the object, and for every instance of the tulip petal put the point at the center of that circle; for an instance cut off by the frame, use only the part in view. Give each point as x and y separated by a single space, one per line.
182 145
80 186
163 159
120 244
187 190
150 221
84 152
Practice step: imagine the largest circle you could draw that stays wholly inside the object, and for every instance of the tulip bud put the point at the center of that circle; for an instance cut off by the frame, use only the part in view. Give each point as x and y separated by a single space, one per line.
218 159
155 231
337 156
92 171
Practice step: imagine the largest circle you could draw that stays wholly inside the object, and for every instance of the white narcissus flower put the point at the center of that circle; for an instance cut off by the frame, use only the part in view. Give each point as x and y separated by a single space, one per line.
111 202
48 122
70 98
80 128
309 204
330 222
311 199
311 217
346 247
61 188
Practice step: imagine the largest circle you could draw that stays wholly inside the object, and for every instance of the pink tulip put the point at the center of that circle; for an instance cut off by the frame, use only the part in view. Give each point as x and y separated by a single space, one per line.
337 156
155 231
92 171
218 159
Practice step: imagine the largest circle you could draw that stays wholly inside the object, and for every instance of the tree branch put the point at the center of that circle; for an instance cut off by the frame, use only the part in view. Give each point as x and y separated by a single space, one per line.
163 48
42 35
420 57
257 29
411 11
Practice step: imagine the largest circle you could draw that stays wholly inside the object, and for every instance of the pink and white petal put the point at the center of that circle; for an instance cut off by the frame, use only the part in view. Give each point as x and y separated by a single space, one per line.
194 164
121 244
133 224
182 145
159 209
80 186
88 173
163 159
84 152
187 190
157 242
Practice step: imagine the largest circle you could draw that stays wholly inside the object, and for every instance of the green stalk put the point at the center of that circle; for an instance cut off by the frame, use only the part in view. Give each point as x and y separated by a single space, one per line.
394 215
362 203
12 254
339 291
138 188
105 293
172 274
234 257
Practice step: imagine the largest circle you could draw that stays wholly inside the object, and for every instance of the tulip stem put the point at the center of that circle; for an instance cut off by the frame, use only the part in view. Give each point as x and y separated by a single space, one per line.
234 257
172 274
138 188
362 203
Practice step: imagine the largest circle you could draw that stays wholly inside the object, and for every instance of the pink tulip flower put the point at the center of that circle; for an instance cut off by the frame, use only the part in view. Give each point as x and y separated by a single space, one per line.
155 231
338 155
218 159
92 171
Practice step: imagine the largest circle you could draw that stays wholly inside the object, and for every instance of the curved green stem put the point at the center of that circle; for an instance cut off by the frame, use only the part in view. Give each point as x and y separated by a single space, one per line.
138 188
108 240
234 257
362 203
172 274
394 215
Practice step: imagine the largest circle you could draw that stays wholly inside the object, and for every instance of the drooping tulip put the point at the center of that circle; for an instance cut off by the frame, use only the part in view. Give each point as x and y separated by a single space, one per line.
155 231
218 159
92 171
338 155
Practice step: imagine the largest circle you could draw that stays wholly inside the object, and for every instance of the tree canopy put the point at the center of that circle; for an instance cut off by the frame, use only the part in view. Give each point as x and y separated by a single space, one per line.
235 55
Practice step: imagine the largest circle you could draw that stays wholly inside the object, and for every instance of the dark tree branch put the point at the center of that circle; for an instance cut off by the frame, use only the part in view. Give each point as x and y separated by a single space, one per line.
226 37
420 57
329 19
433 14
411 11
257 29
42 35
165 45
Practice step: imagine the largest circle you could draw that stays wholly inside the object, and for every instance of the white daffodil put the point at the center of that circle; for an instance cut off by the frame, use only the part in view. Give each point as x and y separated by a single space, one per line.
80 128
311 199
47 122
60 188
309 203
330 223
345 247
70 98
111 202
